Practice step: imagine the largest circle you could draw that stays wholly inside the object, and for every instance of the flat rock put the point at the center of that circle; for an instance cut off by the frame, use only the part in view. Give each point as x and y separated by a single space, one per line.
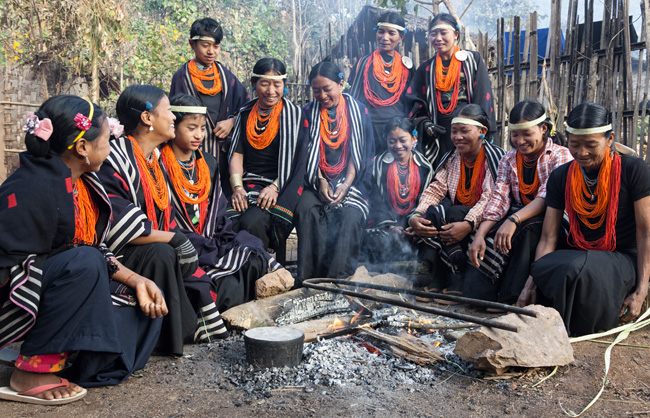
362 275
273 283
541 342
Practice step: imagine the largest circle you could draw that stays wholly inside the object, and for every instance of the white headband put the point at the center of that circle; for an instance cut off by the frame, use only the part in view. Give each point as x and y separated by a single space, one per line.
466 121
524 125
589 131
443 26
391 25
190 109
270 77
203 38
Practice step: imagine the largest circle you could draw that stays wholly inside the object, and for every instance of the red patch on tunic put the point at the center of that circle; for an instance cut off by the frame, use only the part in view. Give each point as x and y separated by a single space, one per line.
410 114
68 184
11 201
366 110
487 96
214 296
232 82
251 186
428 67
408 90
305 123
491 110
124 185
199 272
424 89
300 191
172 224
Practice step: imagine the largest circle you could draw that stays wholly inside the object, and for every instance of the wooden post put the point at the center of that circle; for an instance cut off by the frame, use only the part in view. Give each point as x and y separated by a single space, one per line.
532 73
3 142
526 58
630 140
502 81
516 31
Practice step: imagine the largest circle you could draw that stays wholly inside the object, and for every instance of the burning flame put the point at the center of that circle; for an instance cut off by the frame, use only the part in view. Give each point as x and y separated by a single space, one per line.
356 316
337 323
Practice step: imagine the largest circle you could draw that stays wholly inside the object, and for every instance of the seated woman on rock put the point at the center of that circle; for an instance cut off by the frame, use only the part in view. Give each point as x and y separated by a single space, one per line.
399 177
57 278
512 221
599 275
234 260
380 79
453 204
267 158
334 205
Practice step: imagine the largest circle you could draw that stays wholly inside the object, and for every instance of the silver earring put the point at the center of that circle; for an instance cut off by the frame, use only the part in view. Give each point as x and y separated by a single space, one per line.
87 160
150 127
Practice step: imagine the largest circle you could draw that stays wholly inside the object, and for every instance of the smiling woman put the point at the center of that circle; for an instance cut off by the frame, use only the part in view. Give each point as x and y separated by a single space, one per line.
267 158
602 277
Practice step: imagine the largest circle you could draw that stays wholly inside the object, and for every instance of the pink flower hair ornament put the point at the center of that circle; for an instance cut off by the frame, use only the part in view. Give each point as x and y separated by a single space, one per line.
37 127
82 122
116 128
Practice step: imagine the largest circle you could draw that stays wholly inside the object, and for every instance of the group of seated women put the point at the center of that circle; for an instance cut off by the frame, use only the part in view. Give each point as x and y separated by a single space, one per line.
132 245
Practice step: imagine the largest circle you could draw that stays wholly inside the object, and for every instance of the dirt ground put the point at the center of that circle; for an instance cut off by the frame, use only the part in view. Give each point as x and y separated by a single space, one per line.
195 386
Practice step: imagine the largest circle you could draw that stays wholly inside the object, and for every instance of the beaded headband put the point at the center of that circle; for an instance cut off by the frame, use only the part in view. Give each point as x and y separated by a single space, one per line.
529 124
443 26
202 38
467 121
270 77
83 123
201 110
391 25
589 131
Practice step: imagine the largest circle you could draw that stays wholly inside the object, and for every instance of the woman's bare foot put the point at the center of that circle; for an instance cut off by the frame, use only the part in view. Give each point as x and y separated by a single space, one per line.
22 381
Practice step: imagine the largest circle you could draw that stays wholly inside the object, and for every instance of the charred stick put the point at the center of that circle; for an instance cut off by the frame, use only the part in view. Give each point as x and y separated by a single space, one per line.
436 311
420 325
443 296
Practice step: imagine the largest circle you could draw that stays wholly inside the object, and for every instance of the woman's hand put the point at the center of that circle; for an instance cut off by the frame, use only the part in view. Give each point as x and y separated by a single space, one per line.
240 199
409 232
268 197
339 195
324 191
150 297
223 128
528 295
477 250
454 232
503 238
632 305
421 227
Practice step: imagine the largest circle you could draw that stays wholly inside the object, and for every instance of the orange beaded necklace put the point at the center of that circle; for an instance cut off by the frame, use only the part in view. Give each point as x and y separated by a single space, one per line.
469 196
152 177
209 74
334 133
185 188
526 190
448 78
261 129
580 209
403 196
391 76
85 214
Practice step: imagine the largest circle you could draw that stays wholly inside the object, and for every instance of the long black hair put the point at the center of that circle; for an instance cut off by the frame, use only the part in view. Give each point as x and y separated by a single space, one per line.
62 110
589 115
183 99
327 69
474 112
266 65
394 18
134 100
444 18
207 27
529 109
403 123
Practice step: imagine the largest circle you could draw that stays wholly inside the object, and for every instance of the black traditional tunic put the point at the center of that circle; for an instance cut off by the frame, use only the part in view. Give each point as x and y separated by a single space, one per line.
284 159
55 295
380 243
588 287
379 115
475 88
329 238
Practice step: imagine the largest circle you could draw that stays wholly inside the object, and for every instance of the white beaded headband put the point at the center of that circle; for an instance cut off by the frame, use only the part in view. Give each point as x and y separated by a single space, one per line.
391 25
467 121
443 26
270 77
589 131
190 109
202 38
525 125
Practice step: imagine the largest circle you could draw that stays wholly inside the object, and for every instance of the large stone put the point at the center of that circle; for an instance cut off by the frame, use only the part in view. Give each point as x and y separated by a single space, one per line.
273 283
388 279
541 342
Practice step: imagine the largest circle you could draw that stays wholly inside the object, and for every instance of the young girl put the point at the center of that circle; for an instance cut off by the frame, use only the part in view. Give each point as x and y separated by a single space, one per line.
58 276
512 221
334 205
601 276
400 175
380 79
234 261
267 158
452 206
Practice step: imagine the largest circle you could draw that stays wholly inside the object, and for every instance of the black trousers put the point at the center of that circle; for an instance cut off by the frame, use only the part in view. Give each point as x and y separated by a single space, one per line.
255 221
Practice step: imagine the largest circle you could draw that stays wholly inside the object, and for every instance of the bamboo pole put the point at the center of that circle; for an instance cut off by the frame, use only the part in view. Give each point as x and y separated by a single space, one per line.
516 75
533 71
